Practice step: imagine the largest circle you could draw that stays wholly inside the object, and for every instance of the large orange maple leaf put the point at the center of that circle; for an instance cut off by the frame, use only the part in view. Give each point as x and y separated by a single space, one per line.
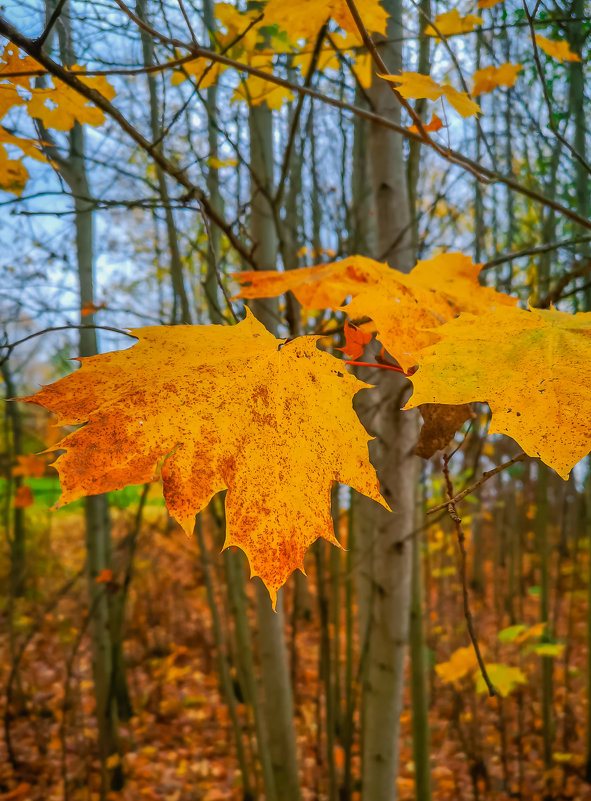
226 408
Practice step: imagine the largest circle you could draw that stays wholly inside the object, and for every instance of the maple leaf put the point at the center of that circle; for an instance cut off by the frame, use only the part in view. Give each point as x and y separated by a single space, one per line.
403 307
406 307
416 86
432 127
559 50
13 174
13 61
303 20
29 465
533 368
355 340
440 423
488 3
66 105
226 408
90 308
323 286
205 73
488 78
504 679
257 90
461 663
451 23
23 497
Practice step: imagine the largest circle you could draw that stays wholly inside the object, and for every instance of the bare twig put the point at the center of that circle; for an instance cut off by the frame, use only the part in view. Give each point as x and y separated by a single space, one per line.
485 477
216 267
551 123
534 250
556 292
10 346
51 22
68 77
451 510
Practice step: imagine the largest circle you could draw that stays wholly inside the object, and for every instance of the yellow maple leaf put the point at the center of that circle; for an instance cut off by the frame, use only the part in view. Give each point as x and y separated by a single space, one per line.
559 50
488 78
13 61
454 276
255 91
403 307
461 663
504 679
9 97
488 3
533 368
415 85
226 408
303 20
238 26
205 73
66 105
13 174
219 164
451 23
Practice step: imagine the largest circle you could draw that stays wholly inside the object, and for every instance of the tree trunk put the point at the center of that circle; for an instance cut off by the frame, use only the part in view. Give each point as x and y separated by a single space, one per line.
17 539
277 693
110 687
392 455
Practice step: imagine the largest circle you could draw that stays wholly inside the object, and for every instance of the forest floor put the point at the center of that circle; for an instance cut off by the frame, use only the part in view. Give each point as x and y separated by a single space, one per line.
178 746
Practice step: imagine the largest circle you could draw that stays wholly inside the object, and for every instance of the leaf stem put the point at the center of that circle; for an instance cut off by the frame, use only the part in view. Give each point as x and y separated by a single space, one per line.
380 366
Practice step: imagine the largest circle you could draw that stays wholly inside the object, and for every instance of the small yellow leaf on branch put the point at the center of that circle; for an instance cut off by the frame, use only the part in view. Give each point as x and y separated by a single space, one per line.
488 78
451 23
558 50
415 85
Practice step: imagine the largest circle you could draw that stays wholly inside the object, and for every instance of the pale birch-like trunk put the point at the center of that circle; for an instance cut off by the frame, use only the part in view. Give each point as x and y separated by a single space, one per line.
392 454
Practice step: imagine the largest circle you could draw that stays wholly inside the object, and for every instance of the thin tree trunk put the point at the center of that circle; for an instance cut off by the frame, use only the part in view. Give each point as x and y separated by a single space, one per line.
277 698
17 539
176 266
393 457
420 703
110 687
213 183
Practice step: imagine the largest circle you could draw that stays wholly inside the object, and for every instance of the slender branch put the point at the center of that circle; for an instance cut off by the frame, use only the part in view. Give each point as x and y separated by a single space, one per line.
379 366
447 153
485 477
28 45
10 346
382 66
551 123
296 116
216 267
70 79
451 509
533 251
51 22
556 292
